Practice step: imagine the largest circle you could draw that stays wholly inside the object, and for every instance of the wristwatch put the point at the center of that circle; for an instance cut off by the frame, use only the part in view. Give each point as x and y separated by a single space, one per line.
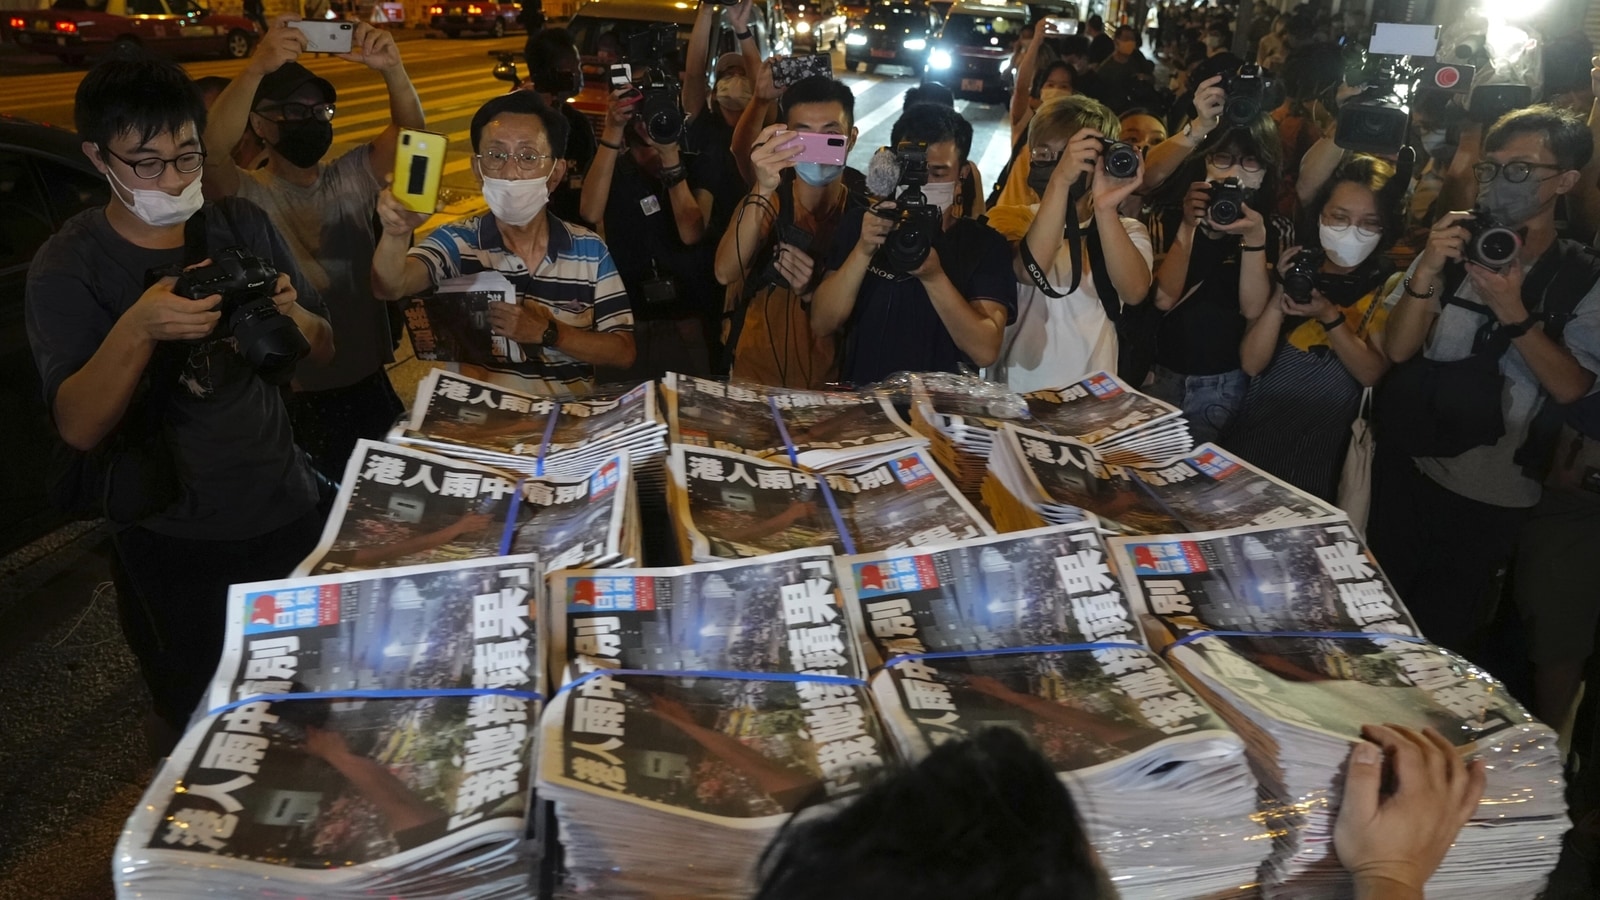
742 35
1330 327
550 336
1518 329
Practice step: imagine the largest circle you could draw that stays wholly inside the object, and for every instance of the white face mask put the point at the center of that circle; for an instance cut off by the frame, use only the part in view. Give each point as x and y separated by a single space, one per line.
1346 245
734 92
159 209
516 202
941 194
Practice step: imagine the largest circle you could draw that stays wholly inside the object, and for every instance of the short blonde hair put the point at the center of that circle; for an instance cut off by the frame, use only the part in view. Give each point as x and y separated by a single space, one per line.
1067 116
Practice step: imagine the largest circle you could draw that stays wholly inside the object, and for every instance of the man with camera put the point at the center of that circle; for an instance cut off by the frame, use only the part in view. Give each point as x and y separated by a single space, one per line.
571 313
555 72
164 388
786 222
1496 320
914 285
324 210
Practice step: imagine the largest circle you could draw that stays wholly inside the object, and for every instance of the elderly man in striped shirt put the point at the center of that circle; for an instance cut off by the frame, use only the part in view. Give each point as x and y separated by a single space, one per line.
572 313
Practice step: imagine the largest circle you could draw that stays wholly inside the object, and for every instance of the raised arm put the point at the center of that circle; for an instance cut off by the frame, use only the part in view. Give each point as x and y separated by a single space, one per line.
742 242
1316 167
686 212
753 119
835 298
395 274
1165 157
380 53
694 74
1027 65
229 115
1255 282
597 182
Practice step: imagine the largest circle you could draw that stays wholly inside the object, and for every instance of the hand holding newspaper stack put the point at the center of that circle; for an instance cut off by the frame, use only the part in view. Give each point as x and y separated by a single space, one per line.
1294 635
368 734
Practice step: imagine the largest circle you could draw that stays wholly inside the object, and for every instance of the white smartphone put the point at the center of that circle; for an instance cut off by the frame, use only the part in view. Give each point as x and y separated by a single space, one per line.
326 37
1394 39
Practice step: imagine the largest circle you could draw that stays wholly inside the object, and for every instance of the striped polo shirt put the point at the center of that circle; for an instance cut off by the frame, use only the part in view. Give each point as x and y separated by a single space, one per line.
576 282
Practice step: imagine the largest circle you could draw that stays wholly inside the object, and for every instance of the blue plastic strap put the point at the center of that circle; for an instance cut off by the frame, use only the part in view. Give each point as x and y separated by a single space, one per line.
1334 635
510 530
1013 651
395 694
544 444
790 677
822 481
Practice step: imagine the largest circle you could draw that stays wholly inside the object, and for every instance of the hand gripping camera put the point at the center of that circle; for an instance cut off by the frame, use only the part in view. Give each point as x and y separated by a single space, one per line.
1490 244
269 340
1119 159
661 110
1227 202
917 220
1244 95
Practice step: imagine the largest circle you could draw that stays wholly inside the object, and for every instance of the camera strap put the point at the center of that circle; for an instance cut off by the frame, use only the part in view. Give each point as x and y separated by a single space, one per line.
1076 240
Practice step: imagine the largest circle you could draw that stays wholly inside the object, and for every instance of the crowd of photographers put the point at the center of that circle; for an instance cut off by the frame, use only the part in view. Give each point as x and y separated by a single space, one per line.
1257 242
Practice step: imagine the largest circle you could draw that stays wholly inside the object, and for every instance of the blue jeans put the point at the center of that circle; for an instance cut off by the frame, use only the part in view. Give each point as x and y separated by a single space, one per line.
1209 402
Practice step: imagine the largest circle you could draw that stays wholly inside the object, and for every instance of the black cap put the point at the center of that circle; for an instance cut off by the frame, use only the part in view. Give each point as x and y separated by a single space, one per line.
281 84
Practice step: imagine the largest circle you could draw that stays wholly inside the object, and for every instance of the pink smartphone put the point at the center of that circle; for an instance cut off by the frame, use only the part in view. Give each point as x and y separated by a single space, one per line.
827 149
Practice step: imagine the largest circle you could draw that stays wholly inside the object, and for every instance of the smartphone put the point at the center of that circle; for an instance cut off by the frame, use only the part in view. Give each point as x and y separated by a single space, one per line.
622 77
827 149
326 37
418 163
787 71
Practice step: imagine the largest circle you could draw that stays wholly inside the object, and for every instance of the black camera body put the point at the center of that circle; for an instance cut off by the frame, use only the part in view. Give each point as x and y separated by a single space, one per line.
1490 244
269 340
1119 159
1245 91
1227 202
1301 277
651 52
1372 126
917 221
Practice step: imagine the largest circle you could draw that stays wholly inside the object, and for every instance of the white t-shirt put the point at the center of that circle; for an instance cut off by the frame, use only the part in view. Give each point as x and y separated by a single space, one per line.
1055 341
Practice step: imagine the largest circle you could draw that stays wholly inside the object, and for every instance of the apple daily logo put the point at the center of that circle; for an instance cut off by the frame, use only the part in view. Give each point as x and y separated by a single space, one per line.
1215 464
1103 386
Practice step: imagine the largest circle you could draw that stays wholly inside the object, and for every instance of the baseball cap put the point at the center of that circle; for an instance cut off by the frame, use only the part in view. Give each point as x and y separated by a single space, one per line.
728 61
288 78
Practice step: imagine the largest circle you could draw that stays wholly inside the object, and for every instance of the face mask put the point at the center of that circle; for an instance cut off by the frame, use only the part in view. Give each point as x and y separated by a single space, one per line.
159 208
817 174
1047 93
1039 177
734 92
1346 245
304 143
1513 204
941 194
516 202
1433 141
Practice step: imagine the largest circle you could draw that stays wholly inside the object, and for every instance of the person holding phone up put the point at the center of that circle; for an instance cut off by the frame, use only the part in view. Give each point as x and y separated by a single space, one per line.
324 210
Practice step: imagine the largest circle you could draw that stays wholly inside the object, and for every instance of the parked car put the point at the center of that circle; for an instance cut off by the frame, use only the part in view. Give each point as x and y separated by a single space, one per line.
817 26
972 54
44 180
77 30
892 34
479 16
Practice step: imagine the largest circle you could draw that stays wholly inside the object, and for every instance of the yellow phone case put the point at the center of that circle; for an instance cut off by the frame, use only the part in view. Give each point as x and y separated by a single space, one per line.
418 164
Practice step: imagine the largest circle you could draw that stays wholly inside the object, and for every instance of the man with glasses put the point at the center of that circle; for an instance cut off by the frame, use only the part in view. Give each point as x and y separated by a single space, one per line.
325 209
571 313
126 363
1444 528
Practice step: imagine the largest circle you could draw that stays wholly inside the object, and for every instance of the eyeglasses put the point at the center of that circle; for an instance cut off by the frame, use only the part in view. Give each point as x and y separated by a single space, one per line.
1229 160
151 168
493 163
299 112
1515 172
1044 156
1341 221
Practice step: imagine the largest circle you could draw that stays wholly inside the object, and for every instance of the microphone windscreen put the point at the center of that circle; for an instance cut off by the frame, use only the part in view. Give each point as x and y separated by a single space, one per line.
883 173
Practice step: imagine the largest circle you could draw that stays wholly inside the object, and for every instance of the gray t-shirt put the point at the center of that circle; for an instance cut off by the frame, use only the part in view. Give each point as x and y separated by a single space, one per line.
1489 474
242 474
328 227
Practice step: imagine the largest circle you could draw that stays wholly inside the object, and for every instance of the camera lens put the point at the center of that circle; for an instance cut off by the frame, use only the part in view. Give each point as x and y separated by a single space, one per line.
1223 212
1241 110
1121 160
1497 246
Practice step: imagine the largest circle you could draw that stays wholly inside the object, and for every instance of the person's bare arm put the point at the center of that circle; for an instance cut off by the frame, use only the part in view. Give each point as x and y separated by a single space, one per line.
1255 282
746 133
318 332
1316 167
835 297
229 114
1045 232
400 808
1165 157
525 322
694 74
1588 189
739 20
1460 188
1129 272
1558 371
1172 275
1261 338
686 215
976 326
395 274
597 181
1027 65
743 241
380 53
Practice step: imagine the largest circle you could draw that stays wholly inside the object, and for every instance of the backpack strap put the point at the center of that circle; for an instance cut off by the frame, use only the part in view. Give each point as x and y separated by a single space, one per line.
1005 173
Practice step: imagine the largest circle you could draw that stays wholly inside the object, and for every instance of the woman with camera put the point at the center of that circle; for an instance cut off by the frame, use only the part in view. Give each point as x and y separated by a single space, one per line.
1316 346
1215 275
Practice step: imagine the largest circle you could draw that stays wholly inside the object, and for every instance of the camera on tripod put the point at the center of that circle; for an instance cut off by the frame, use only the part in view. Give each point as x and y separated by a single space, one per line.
652 52
1490 244
1227 202
269 340
916 220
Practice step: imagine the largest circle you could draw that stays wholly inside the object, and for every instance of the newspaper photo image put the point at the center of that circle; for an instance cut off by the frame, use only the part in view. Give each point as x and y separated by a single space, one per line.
575 522
1097 408
451 324
1210 488
1071 474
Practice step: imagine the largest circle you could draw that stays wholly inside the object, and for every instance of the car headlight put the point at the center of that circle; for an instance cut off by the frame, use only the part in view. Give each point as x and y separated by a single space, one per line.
915 44
939 59
802 27
855 40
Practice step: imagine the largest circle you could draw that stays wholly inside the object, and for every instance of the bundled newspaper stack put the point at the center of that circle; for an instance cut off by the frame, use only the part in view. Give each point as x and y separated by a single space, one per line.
1121 424
811 429
1029 631
729 505
1297 639
1036 478
539 436
398 506
671 753
368 734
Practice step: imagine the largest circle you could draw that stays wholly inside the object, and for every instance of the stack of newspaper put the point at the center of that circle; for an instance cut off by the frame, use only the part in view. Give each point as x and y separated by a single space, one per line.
1345 654
1036 478
813 429
672 754
368 734
1029 631
728 505
1121 424
486 423
398 506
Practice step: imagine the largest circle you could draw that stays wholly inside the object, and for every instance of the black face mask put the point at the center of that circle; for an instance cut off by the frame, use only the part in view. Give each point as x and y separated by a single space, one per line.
1039 177
304 143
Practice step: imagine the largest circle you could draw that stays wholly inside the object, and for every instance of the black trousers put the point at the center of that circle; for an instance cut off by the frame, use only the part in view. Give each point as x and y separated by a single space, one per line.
328 423
1445 554
172 598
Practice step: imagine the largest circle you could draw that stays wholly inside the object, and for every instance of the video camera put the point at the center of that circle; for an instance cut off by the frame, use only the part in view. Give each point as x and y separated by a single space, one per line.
1378 119
916 220
269 340
652 52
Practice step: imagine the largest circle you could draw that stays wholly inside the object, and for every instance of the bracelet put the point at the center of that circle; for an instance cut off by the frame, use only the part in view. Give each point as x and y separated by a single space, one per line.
671 176
1243 248
1330 327
1518 329
608 145
1432 289
742 35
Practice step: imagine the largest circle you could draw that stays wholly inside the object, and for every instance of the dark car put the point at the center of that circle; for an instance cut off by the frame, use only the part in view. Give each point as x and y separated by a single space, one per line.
816 24
892 34
972 54
44 180
479 16
77 30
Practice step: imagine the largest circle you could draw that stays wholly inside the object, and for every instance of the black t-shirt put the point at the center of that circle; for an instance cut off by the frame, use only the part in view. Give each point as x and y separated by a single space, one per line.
1201 335
644 243
1101 46
564 200
894 327
709 157
241 472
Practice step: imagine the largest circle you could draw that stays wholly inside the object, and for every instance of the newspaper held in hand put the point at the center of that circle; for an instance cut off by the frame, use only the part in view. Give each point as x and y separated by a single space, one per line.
451 324
729 505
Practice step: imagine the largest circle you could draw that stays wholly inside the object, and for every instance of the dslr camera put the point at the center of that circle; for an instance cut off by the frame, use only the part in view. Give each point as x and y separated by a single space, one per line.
1119 159
1227 202
652 51
1301 277
1490 244
269 340
916 220
1245 91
